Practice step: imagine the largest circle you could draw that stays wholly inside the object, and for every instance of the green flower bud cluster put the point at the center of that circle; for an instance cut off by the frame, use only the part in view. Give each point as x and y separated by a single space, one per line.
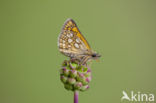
75 76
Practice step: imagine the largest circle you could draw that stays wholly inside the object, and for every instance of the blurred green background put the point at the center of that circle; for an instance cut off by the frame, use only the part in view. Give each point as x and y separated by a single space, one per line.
122 31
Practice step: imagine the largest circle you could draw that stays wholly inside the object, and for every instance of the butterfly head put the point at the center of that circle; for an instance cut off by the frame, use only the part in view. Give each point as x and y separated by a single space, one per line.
95 56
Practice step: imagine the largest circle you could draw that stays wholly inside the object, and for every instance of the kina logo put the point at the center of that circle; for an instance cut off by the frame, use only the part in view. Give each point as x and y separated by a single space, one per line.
137 96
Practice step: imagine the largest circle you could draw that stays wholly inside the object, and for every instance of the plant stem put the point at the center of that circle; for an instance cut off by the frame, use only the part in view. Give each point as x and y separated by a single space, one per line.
76 96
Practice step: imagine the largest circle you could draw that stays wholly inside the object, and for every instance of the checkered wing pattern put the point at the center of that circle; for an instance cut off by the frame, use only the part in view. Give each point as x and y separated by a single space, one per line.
71 42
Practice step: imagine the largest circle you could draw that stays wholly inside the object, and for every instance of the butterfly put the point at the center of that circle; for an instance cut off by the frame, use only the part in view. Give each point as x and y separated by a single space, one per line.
72 43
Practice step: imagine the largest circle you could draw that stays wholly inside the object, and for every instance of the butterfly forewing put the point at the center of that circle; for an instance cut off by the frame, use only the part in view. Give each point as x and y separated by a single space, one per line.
71 42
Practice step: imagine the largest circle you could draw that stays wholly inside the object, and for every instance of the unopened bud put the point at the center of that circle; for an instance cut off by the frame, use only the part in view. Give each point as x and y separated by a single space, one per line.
68 86
88 79
73 65
63 79
78 85
65 71
71 80
73 73
84 88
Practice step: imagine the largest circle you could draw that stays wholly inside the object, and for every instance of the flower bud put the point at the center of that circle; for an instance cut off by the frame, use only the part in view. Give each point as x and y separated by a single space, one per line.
63 79
73 65
75 76
73 73
78 85
68 86
71 80
84 88
65 71
81 78
88 79
88 73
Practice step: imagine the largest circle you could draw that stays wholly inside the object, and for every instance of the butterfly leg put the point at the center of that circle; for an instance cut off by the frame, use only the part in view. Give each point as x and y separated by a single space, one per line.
84 60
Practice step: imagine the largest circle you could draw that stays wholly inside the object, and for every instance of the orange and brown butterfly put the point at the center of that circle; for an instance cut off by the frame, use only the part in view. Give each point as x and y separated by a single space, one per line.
73 44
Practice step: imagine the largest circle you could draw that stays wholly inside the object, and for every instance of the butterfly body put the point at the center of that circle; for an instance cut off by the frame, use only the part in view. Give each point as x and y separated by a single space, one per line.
72 43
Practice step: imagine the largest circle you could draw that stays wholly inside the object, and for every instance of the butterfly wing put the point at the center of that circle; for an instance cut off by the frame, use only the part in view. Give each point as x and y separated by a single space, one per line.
71 42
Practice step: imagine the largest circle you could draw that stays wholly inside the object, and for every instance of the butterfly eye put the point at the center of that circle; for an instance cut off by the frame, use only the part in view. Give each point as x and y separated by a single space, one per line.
93 55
